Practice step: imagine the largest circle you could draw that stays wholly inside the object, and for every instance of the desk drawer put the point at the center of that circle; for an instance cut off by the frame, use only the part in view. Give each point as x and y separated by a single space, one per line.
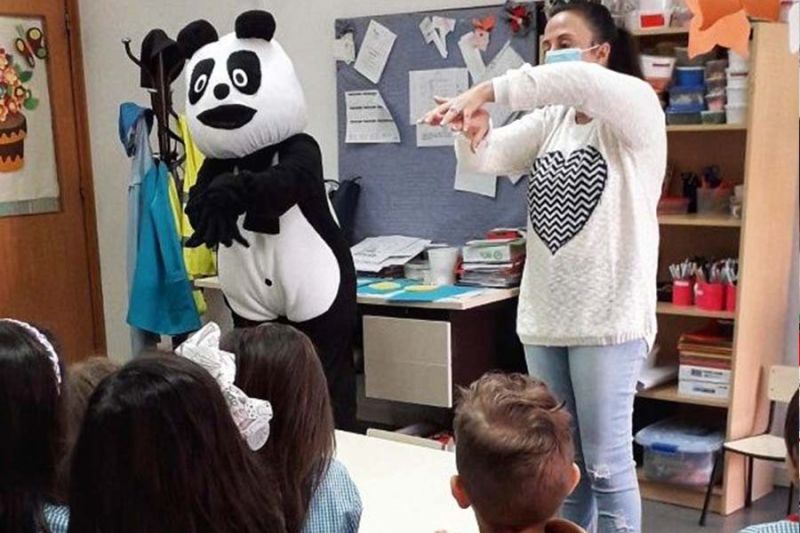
408 360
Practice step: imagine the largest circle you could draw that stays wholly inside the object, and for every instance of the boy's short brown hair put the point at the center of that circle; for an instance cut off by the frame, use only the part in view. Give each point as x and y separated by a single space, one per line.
514 449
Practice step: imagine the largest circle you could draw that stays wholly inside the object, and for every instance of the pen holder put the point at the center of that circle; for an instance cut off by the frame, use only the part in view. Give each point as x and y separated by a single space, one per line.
710 296
682 292
730 298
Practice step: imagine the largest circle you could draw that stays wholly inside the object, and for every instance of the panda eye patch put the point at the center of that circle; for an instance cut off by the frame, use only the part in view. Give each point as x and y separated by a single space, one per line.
199 82
244 70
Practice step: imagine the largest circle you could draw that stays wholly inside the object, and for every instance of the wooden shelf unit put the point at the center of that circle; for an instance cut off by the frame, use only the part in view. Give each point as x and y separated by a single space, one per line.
762 156
658 32
684 496
669 393
665 308
694 219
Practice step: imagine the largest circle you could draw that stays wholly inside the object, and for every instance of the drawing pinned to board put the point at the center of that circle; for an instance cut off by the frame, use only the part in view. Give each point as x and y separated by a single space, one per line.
520 17
482 29
506 59
435 30
368 119
375 50
423 85
28 180
344 48
473 43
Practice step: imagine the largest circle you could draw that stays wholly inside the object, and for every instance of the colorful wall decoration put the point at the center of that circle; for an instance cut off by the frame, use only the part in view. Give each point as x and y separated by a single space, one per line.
28 171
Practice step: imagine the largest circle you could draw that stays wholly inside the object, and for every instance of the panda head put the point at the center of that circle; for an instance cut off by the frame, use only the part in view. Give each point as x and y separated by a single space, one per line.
242 93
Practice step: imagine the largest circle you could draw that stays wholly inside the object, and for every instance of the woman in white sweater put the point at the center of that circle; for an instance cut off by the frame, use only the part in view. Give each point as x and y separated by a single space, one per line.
594 144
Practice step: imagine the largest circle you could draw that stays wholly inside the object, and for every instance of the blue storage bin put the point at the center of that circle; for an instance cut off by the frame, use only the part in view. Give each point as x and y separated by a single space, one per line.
679 451
690 76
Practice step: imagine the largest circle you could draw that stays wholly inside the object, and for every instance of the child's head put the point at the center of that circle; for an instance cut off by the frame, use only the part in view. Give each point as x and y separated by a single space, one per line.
790 434
30 424
159 451
514 453
278 363
79 384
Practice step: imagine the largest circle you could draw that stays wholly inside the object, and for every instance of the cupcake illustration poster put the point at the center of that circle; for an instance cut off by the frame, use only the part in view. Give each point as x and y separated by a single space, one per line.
28 172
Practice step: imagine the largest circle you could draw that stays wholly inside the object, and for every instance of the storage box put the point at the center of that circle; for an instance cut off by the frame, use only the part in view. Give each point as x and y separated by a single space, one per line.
687 96
704 389
677 117
704 373
679 451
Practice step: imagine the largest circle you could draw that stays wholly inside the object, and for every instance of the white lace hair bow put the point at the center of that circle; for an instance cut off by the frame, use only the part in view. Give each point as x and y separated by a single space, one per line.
251 415
46 344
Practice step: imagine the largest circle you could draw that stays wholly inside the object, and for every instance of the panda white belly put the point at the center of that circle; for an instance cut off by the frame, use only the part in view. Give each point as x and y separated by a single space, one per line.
293 274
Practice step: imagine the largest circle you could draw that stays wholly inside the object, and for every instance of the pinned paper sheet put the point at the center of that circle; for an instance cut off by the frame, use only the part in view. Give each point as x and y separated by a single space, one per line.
368 119
375 51
344 48
435 30
423 85
506 59
483 184
472 57
482 29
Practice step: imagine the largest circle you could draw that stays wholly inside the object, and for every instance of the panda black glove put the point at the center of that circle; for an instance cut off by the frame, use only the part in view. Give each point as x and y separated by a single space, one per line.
214 211
217 228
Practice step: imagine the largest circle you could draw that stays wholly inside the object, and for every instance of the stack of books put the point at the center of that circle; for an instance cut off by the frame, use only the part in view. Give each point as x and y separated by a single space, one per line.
494 262
705 363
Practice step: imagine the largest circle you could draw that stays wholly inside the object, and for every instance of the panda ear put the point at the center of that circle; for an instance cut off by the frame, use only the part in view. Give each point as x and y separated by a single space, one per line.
255 25
195 36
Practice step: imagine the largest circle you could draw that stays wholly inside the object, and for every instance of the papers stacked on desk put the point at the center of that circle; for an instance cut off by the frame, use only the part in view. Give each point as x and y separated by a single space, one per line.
493 262
705 362
377 253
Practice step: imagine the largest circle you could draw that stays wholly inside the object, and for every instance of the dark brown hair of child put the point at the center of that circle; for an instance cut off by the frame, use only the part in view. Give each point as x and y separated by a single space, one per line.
31 416
514 450
277 362
790 430
79 384
159 451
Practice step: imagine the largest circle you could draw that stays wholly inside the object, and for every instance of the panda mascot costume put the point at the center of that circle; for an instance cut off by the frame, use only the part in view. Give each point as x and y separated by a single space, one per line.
260 195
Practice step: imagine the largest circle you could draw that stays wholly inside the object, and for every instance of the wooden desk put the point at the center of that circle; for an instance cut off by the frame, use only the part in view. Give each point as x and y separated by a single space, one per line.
404 488
419 353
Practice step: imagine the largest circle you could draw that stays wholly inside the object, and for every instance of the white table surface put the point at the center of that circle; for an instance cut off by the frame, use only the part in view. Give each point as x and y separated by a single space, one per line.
404 488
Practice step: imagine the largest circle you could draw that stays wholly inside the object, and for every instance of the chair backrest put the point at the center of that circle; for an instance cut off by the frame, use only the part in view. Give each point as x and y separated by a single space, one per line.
783 383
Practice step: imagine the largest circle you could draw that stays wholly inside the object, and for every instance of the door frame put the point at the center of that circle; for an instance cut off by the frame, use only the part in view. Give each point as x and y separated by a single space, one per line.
86 181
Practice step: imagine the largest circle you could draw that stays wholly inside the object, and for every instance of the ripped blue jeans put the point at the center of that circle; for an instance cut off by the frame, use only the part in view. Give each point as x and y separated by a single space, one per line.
598 384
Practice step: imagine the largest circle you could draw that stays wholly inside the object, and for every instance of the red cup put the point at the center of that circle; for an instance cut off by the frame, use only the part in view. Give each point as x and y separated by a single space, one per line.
682 292
710 296
730 298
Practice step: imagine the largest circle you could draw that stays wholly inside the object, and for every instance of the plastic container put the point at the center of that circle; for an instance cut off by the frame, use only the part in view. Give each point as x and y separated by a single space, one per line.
709 296
736 114
713 117
673 205
714 201
738 63
716 102
689 76
717 86
682 58
730 298
687 96
443 263
418 271
683 292
715 70
679 451
737 96
736 79
658 66
682 117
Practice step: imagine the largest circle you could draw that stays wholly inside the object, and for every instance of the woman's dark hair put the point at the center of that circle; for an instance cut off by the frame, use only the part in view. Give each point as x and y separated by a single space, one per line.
79 384
30 429
278 363
159 451
624 56
790 430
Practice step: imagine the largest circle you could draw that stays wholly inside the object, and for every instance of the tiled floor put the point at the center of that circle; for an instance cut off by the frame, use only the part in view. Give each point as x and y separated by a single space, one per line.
662 518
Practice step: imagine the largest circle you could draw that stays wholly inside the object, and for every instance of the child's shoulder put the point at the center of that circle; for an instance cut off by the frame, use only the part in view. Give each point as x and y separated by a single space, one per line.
784 526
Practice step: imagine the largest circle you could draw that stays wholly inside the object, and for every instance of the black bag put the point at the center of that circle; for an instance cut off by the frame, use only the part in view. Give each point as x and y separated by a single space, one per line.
344 198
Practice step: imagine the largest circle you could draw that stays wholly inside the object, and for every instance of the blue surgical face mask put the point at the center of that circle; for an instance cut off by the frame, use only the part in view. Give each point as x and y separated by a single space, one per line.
564 55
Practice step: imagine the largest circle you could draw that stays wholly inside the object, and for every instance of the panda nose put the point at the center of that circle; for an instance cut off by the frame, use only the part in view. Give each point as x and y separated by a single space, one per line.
221 90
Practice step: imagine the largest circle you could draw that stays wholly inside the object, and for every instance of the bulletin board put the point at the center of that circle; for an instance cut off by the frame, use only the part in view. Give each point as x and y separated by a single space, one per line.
409 190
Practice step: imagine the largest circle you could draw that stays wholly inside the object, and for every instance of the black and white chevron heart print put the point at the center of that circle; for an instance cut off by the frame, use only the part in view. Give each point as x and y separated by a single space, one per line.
564 192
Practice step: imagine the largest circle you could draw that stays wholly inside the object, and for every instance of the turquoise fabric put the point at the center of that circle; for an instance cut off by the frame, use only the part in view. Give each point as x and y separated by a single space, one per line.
161 298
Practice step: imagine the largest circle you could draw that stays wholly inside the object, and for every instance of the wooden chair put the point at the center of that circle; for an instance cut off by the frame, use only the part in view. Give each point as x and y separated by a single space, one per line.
783 382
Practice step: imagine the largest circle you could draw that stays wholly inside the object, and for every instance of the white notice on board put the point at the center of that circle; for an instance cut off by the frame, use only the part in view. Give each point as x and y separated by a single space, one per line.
483 184
506 59
368 119
375 50
423 85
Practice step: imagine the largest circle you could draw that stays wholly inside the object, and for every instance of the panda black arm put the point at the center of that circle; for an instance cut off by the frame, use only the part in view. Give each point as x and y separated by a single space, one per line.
297 176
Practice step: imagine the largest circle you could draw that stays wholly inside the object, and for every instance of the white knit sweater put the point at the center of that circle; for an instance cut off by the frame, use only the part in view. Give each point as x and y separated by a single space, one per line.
590 276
